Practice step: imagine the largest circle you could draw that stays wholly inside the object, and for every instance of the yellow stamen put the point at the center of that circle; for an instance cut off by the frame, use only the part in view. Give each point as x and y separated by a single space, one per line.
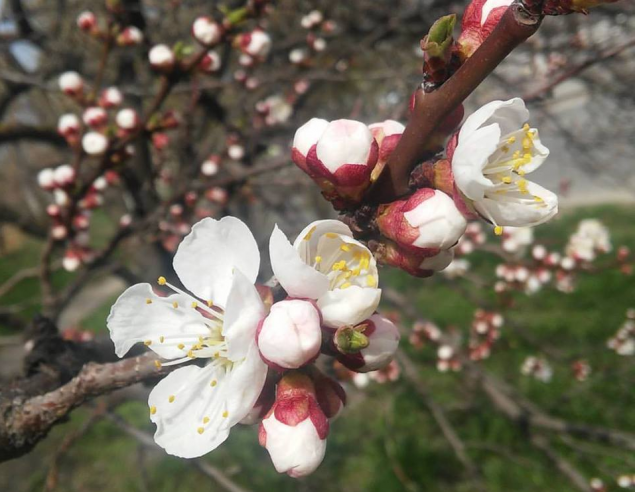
161 339
345 285
331 235
181 346
162 281
171 398
195 304
147 343
157 364
205 420
345 247
153 410
318 259
225 414
511 140
200 430
190 354
213 383
371 281
175 304
210 303
506 179
148 301
498 230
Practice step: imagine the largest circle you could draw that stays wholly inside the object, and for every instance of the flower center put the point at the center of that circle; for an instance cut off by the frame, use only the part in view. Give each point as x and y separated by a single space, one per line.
344 263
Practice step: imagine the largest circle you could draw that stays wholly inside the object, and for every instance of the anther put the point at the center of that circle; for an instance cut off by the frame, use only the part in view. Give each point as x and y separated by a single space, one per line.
148 301
162 281
171 398
157 364
498 230
175 304
200 430
153 410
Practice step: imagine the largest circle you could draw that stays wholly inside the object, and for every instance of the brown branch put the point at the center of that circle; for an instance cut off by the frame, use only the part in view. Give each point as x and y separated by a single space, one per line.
457 445
26 420
433 108
564 466
13 133
577 69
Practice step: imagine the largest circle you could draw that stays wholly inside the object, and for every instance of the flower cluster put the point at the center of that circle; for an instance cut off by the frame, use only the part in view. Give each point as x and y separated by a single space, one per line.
484 333
537 368
257 350
623 342
314 43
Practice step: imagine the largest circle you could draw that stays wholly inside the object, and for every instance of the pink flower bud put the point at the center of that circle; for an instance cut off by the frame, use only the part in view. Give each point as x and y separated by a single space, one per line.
71 83
257 43
236 152
479 20
211 62
46 179
130 36
71 261
53 210
161 58
290 336
425 223
217 195
206 31
127 119
110 98
298 56
68 125
86 21
383 339
58 232
211 166
64 175
305 138
95 117
94 143
295 429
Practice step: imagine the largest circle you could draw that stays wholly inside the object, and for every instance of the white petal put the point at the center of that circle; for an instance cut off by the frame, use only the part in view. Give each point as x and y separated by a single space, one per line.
133 320
178 422
490 5
510 211
509 115
348 306
389 127
297 450
539 154
439 261
307 241
308 134
295 276
344 142
243 313
470 157
207 257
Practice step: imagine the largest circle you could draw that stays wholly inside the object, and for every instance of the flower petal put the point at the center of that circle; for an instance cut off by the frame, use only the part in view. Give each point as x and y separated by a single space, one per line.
208 255
520 210
243 313
296 277
182 403
470 157
307 241
132 319
348 306
509 115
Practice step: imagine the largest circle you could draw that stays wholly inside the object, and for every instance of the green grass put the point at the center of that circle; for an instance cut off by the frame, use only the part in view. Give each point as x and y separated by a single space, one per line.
387 440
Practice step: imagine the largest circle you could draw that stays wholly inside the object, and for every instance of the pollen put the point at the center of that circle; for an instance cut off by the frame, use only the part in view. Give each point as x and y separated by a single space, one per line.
157 364
345 247
161 339
308 235
526 127
225 414
511 140
498 230
195 304
331 235
175 304
153 410
181 346
213 383
205 420
318 259
162 281
190 354
538 199
210 303
200 430
171 398
147 343
506 179
148 301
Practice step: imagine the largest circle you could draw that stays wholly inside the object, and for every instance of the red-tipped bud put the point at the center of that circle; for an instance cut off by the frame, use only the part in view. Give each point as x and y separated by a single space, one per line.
423 224
206 31
127 119
162 58
68 126
256 43
110 98
71 83
95 117
86 21
130 36
381 339
295 429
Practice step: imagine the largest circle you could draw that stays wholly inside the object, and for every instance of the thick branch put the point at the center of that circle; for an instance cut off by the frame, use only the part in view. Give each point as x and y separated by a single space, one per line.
433 108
